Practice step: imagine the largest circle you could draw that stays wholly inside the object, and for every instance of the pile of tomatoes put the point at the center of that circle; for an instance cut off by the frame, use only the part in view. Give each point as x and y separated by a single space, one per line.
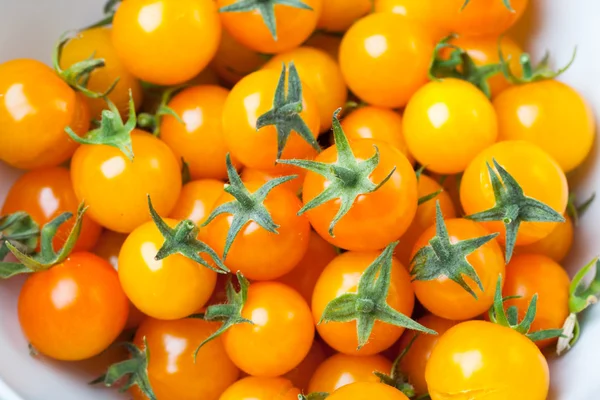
269 199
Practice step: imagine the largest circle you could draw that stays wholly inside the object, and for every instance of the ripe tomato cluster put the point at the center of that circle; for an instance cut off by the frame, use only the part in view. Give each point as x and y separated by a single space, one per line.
183 193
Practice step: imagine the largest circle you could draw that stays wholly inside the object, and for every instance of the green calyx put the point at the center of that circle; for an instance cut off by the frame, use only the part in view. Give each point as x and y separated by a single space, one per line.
152 122
575 211
22 232
541 72
513 207
186 175
368 304
230 313
78 74
266 9
348 177
313 396
505 2
396 378
247 206
461 66
112 131
581 296
183 239
135 369
442 258
285 114
47 257
510 317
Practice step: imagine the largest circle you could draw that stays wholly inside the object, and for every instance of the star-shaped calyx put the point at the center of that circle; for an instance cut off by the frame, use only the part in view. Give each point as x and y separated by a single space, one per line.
285 114
247 206
348 177
442 258
513 207
22 232
369 303
266 9
541 71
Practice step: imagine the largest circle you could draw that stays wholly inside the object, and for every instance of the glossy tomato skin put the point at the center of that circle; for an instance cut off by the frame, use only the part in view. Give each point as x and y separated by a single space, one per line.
256 252
537 173
374 54
415 360
99 171
341 370
423 12
339 15
233 60
252 97
305 275
74 310
365 227
425 216
447 123
342 276
98 41
166 42
294 26
367 391
280 170
485 18
556 245
200 140
167 289
300 376
481 357
45 194
282 325
551 115
322 75
172 371
529 274
378 123
444 297
261 389
37 108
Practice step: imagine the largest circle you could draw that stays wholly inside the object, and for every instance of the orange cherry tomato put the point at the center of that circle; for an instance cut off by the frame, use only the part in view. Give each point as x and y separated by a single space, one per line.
425 216
551 115
281 335
249 99
339 15
447 123
376 123
321 74
415 359
342 276
528 274
537 173
247 253
172 371
233 60
294 26
481 358
45 194
385 60
304 276
367 391
98 42
300 376
261 389
446 298
328 43
171 288
199 140
73 310
341 370
108 247
280 170
166 42
556 245
365 227
98 172
481 18
37 106
422 12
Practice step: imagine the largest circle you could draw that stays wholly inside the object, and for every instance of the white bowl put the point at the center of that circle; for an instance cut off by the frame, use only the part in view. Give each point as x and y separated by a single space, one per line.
29 28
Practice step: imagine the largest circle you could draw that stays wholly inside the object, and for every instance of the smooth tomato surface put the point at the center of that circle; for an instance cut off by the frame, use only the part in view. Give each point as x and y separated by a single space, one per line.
556 245
423 12
339 15
367 391
261 389
342 276
166 42
300 376
74 310
98 172
233 60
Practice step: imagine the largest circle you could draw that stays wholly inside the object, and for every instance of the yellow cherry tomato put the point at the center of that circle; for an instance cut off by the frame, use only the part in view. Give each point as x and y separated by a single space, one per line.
367 391
556 245
261 389
423 12
338 15
480 18
328 43
233 60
